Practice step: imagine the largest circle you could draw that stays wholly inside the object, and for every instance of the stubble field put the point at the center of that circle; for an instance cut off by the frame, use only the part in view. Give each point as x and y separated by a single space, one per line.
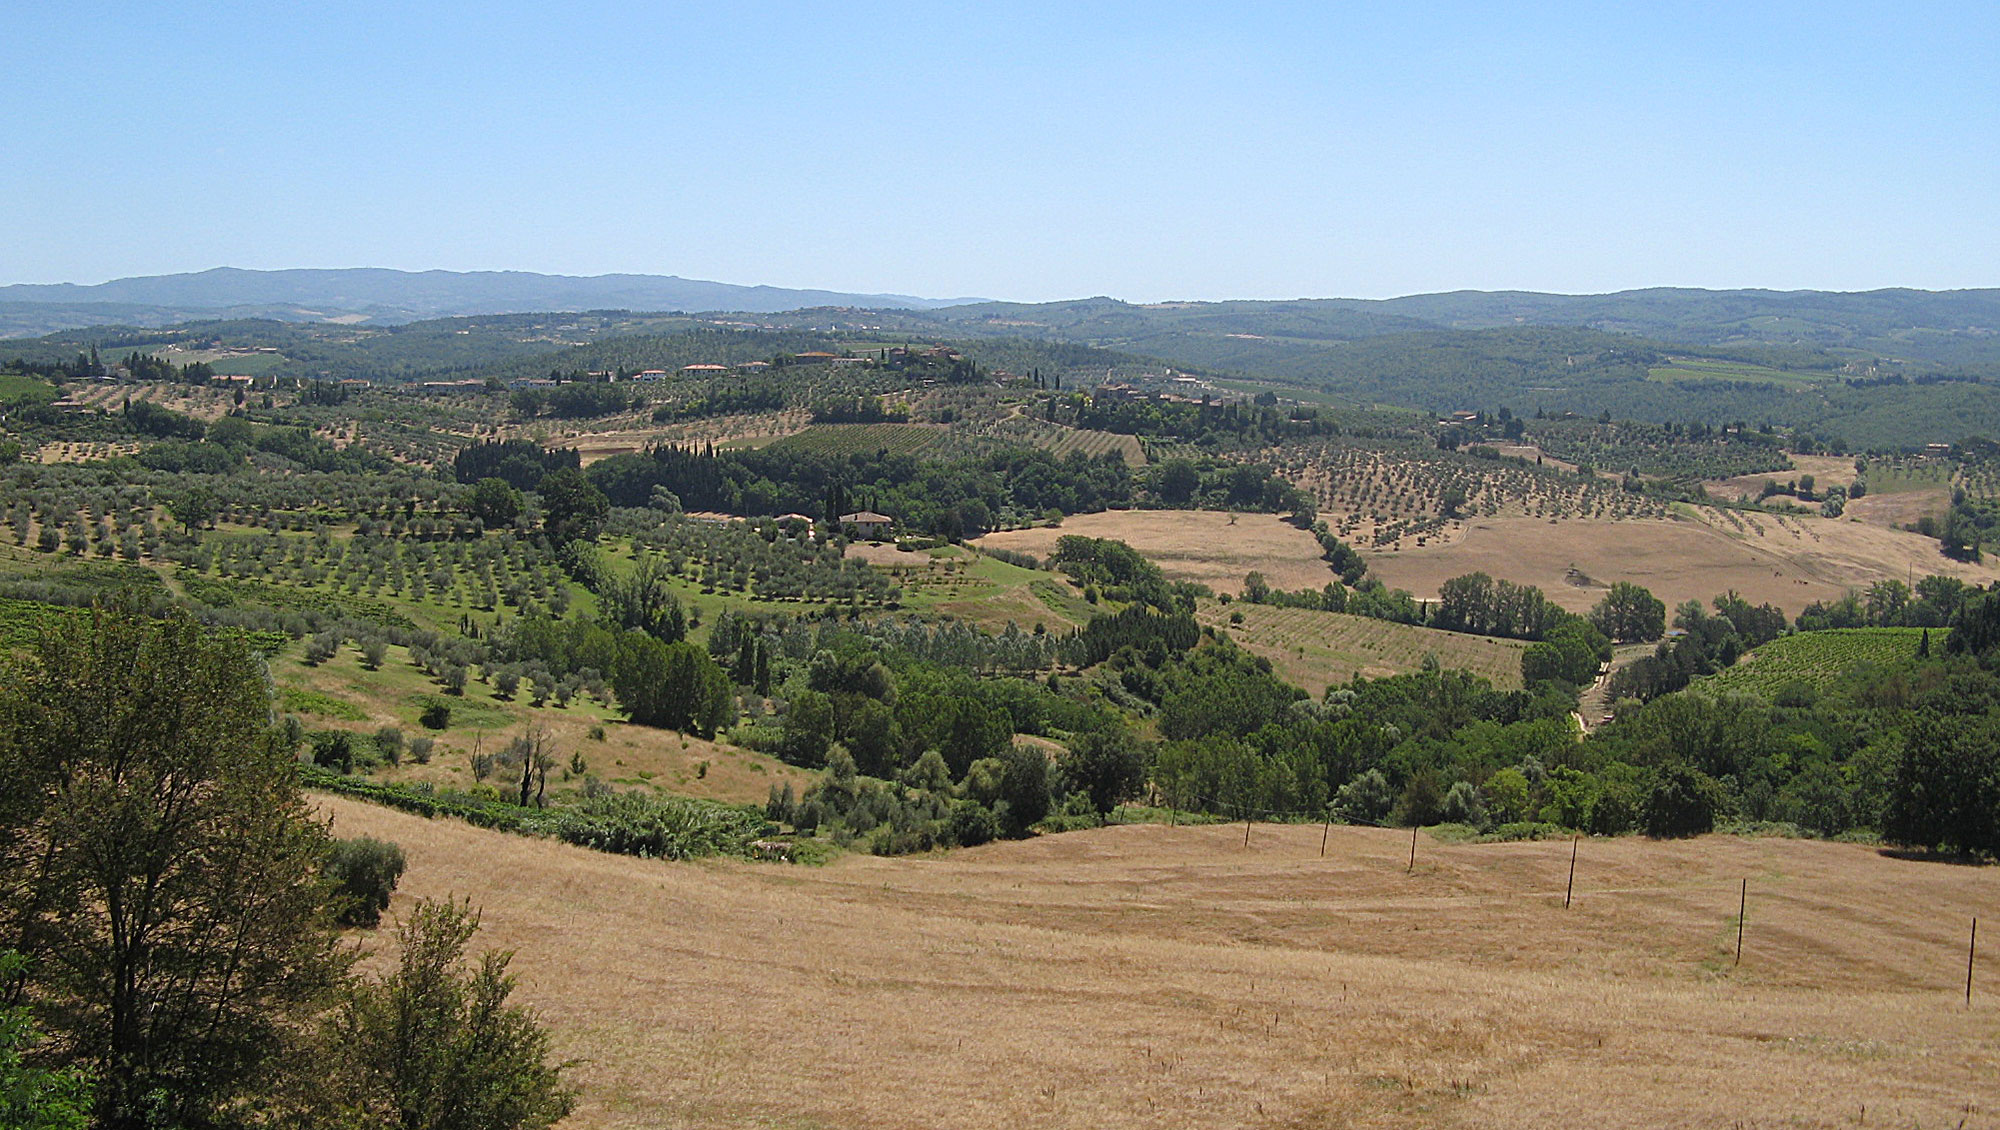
1789 561
1212 547
1171 977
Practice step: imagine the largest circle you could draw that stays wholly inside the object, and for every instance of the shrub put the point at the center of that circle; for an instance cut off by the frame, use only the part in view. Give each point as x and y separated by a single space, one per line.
1366 799
972 823
436 716
389 743
1462 805
365 872
333 749
321 648
420 749
436 1044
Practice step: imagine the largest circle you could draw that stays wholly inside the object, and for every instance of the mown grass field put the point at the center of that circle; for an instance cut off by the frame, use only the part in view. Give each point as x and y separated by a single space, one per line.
1174 978
851 439
1315 650
980 590
1819 659
16 387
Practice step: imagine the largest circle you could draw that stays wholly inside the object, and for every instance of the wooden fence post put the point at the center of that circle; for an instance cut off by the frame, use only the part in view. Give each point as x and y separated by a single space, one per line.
1971 950
1742 910
1571 888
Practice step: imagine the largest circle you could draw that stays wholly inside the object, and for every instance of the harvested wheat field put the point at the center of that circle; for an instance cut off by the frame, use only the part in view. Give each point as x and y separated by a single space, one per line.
1786 560
1826 470
1212 547
1170 977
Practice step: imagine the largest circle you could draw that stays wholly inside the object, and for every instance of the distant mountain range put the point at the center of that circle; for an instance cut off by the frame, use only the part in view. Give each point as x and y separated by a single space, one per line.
1941 328
378 296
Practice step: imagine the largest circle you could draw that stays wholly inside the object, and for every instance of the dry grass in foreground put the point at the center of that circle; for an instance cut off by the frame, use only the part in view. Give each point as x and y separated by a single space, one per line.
1170 977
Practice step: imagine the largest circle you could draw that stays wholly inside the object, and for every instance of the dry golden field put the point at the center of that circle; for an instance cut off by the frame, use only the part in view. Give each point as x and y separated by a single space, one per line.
1212 547
627 756
1786 560
1170 977
1826 470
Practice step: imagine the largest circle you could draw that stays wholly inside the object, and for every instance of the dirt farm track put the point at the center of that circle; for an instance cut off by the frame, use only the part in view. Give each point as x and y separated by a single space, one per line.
1171 977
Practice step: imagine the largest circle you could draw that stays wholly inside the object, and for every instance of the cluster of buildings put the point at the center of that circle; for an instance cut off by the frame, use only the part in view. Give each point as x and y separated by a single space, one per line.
1174 389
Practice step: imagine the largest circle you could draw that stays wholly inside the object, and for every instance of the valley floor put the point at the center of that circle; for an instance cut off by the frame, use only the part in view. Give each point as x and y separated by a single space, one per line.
1172 977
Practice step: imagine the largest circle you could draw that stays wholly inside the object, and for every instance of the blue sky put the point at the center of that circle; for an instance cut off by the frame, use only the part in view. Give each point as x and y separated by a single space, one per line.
1029 151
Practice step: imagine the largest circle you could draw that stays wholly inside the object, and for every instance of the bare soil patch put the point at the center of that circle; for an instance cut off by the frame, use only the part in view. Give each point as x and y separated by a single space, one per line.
1171 977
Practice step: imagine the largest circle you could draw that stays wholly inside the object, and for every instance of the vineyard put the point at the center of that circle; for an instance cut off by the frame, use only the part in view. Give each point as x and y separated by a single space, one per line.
864 439
1064 441
1315 649
1817 660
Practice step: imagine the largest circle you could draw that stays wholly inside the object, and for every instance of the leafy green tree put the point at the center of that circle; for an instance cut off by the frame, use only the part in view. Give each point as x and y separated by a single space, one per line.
807 730
572 509
672 685
972 823
158 862
437 1046
1177 481
1946 789
1508 795
1683 801
495 503
193 508
1463 805
1451 500
1024 788
1108 766
1629 614
1571 654
644 601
